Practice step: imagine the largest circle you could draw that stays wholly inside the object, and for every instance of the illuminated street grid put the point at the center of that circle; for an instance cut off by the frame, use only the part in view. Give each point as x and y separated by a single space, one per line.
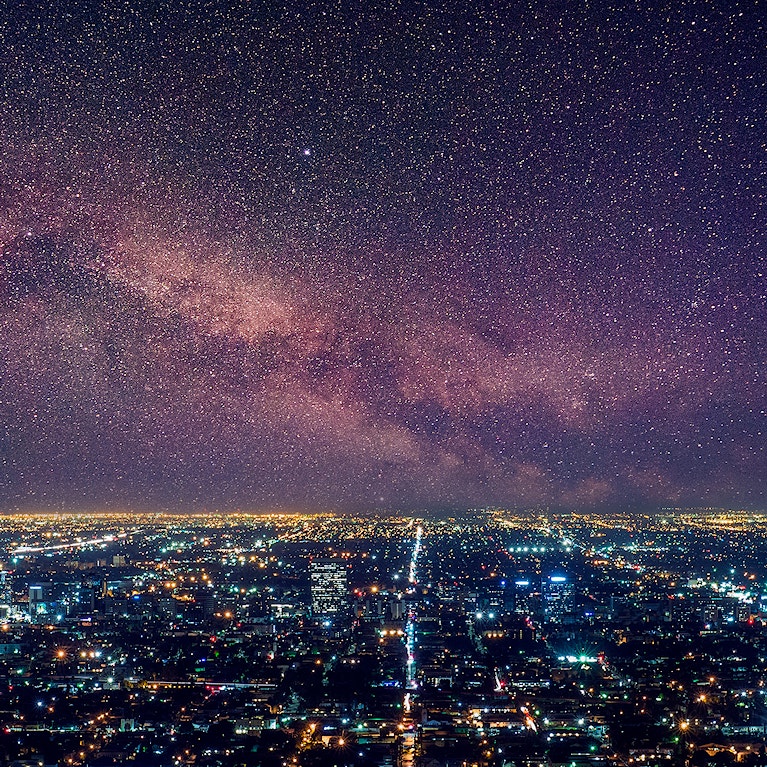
502 637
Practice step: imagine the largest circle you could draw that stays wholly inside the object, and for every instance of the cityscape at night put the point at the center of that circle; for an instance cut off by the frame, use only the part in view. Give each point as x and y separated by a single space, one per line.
383 384
501 638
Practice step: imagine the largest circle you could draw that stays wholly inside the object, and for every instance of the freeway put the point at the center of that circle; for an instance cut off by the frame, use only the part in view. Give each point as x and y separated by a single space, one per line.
78 543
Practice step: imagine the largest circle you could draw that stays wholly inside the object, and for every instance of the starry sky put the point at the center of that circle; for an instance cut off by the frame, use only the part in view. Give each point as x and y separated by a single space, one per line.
416 255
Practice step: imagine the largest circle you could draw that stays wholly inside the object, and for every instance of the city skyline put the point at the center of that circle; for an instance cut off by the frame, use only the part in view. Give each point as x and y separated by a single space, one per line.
327 640
427 258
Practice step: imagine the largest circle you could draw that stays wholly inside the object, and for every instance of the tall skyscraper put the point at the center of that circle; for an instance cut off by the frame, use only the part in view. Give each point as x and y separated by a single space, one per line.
522 593
330 588
6 593
37 605
557 597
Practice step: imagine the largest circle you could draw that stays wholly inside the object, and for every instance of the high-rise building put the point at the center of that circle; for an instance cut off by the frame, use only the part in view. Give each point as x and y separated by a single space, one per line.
330 588
6 593
523 592
37 603
557 597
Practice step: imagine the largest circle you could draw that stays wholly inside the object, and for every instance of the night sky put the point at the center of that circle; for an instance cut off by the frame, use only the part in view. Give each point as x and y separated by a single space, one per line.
383 255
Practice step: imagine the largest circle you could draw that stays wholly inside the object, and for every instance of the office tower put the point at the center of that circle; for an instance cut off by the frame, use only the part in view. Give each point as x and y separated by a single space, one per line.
557 597
523 594
329 586
6 593
37 604
6 588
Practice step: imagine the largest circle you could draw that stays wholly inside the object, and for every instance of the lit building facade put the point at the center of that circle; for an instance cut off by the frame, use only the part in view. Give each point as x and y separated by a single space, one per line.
329 587
557 597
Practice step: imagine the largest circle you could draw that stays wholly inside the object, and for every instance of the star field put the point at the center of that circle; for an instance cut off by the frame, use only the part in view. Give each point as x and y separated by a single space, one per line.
422 255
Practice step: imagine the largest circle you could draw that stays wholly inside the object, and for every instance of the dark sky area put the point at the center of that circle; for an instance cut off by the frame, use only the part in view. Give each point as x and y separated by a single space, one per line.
383 255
